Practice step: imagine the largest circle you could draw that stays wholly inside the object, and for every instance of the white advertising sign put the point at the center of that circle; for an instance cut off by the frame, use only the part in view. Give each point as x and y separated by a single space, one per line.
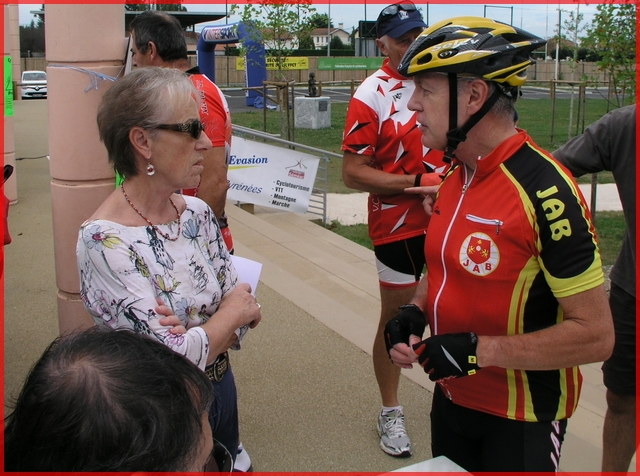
271 176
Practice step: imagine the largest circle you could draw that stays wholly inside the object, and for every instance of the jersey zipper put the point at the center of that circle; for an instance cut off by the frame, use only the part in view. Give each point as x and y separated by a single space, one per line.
465 187
486 221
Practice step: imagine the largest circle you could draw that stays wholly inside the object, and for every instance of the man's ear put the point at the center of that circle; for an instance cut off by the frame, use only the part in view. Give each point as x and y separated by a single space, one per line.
478 94
152 51
382 46
141 141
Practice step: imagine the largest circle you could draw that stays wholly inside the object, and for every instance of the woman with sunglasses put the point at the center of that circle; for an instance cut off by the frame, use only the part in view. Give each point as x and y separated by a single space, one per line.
155 261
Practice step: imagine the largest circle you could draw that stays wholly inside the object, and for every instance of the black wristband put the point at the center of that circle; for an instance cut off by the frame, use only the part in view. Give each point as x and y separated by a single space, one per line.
416 182
410 306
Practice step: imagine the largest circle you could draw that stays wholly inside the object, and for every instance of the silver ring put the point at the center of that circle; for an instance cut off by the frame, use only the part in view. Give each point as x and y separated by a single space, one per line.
258 304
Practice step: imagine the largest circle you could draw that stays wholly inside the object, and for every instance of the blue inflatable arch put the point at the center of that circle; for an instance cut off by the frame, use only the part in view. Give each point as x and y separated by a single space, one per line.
255 63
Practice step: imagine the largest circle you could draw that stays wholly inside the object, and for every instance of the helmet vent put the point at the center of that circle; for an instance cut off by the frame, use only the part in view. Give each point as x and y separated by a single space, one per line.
447 54
425 59
491 61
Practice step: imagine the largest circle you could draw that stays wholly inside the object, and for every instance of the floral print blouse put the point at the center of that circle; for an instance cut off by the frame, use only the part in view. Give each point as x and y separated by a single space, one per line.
124 268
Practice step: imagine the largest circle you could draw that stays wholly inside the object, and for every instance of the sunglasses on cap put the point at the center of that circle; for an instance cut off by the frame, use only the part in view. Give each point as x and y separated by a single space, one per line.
392 10
194 128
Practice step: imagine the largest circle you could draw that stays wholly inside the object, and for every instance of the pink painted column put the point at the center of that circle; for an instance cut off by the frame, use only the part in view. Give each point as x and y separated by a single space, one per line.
91 38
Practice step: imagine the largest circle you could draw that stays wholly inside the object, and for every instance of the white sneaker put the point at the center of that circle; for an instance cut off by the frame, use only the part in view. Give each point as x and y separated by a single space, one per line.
393 434
242 463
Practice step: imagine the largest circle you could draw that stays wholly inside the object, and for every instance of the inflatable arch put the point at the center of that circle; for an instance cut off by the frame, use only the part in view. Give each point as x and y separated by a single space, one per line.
255 63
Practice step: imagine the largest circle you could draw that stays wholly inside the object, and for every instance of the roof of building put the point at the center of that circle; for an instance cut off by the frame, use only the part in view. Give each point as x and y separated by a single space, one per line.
323 31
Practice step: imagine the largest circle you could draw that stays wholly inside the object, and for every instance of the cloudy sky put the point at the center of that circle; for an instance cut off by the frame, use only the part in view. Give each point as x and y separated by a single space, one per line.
539 18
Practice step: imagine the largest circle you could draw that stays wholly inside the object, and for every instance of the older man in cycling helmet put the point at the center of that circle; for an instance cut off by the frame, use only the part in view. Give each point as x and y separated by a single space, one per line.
515 296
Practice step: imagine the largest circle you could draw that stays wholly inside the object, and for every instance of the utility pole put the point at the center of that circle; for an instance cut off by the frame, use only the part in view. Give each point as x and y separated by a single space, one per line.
558 42
329 31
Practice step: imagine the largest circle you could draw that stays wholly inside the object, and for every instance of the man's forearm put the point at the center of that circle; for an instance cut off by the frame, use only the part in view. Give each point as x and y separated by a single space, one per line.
586 335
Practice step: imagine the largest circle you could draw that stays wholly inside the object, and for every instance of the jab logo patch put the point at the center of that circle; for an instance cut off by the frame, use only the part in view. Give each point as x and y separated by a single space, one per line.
479 255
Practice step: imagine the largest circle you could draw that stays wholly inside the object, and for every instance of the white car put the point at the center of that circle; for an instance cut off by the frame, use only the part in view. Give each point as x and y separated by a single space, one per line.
34 84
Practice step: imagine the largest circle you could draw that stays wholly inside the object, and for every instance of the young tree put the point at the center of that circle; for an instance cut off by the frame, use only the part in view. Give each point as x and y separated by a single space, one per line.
319 20
612 34
31 39
336 43
280 27
572 28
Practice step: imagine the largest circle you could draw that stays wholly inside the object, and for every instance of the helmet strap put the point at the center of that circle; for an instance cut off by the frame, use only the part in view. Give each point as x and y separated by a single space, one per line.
455 135
459 134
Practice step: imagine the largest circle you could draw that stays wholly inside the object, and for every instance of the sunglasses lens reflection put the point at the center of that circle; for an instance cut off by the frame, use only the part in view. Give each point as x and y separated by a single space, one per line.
391 10
195 129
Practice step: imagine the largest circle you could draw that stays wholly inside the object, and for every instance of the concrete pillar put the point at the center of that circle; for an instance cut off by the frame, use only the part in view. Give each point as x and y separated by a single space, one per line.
90 37
11 185
14 33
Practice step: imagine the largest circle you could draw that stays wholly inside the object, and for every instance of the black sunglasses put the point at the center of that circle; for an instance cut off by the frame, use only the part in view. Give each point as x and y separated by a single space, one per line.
194 128
392 10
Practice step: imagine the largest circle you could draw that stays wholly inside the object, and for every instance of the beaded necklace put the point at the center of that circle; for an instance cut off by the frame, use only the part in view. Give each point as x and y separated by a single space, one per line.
165 236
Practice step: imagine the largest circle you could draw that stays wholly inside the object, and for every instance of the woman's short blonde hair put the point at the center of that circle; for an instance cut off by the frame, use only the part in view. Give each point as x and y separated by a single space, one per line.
145 98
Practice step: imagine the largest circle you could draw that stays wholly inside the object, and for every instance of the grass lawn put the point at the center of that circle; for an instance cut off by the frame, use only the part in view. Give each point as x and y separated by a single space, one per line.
610 227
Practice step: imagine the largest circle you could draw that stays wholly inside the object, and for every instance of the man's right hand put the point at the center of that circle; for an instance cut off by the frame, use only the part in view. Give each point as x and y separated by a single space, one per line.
410 321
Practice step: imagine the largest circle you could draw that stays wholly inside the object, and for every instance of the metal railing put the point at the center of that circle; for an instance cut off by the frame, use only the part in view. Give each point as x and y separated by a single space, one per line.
318 199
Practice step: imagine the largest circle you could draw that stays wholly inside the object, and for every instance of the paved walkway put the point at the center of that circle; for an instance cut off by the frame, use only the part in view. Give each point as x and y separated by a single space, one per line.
307 394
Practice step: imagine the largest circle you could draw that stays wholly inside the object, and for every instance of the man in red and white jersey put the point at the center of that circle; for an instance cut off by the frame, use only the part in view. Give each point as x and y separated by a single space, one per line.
383 155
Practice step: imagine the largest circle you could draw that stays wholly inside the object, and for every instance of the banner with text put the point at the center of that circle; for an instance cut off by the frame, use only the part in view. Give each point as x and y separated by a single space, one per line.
271 176
297 62
350 63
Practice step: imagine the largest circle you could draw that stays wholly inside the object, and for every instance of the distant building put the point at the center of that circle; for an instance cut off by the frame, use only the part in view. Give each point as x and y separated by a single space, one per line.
322 36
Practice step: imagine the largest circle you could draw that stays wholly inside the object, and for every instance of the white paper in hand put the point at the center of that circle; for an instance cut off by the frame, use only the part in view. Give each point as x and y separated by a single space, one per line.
248 272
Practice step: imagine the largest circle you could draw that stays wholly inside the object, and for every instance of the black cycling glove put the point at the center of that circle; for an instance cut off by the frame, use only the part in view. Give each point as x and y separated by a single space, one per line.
448 355
410 321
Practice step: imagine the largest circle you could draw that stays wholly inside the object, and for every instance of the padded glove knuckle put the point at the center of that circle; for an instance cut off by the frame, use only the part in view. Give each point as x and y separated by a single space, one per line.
409 321
450 356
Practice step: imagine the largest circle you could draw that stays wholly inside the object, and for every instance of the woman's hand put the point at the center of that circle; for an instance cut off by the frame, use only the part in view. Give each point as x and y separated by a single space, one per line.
238 308
169 319
241 303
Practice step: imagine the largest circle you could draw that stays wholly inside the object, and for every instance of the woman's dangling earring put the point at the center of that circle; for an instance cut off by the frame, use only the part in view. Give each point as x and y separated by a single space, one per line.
150 169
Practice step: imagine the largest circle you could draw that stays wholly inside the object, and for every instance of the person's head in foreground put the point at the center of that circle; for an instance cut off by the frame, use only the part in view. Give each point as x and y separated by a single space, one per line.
397 26
104 400
149 123
465 68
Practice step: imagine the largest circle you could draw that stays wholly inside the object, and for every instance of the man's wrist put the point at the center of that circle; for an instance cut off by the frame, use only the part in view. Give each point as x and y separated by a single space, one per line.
410 306
483 351
416 182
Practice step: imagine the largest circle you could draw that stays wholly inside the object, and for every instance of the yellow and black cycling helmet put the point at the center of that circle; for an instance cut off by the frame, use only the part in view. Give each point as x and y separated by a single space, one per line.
474 46
477 47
